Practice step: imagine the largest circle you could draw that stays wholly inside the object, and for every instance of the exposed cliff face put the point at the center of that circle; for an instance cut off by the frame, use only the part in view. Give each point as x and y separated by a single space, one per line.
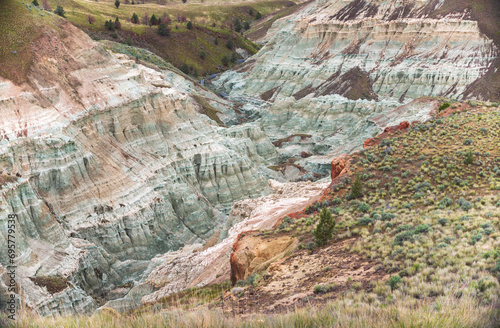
328 69
114 165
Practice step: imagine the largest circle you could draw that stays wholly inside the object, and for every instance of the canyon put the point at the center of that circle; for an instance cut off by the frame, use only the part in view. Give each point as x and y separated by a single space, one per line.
128 190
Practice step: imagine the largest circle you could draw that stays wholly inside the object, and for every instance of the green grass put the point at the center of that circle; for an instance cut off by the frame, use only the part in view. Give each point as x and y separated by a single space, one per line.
20 26
211 20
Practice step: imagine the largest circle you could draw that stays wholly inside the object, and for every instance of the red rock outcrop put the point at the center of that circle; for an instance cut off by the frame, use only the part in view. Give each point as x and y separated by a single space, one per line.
390 129
340 166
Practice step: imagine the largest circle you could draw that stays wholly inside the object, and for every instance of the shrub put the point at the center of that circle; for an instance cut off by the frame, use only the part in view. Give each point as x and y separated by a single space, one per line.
216 41
324 230
422 228
258 15
35 3
118 25
394 281
189 25
445 202
246 25
476 238
387 216
184 68
117 4
163 30
464 205
442 245
402 237
363 207
365 221
443 107
321 289
469 157
443 221
225 60
230 44
109 25
91 19
234 57
357 188
59 11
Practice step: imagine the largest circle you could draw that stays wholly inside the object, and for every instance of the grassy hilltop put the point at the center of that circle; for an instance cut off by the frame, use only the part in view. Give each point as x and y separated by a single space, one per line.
203 49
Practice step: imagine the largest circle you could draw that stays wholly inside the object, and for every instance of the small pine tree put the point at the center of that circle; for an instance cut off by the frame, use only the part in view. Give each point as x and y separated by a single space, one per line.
118 25
153 20
324 229
59 11
357 188
189 25
163 30
35 3
216 41
117 4
135 19
237 25
225 60
258 16
246 25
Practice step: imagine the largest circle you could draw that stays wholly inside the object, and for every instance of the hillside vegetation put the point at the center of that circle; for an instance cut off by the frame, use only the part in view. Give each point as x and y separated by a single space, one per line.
199 33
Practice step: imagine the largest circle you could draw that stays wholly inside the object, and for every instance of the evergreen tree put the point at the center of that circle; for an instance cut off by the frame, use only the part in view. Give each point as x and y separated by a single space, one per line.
237 25
35 3
357 188
189 25
135 19
59 11
153 20
117 4
258 16
324 229
163 30
118 25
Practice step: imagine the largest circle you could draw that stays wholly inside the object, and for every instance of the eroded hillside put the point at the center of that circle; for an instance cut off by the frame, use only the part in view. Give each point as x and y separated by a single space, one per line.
107 163
332 67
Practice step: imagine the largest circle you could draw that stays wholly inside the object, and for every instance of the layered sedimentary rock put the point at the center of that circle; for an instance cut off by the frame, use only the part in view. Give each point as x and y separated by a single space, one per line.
328 70
108 163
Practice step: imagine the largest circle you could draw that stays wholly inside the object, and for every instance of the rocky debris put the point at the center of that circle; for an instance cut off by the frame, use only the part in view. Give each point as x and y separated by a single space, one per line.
253 253
340 166
186 268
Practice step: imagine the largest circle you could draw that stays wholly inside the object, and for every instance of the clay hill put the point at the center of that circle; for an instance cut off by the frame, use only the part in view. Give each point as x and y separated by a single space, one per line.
347 174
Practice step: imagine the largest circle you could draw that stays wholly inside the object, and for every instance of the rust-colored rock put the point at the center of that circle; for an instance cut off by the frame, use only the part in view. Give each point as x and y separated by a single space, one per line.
400 126
374 141
252 253
369 142
340 166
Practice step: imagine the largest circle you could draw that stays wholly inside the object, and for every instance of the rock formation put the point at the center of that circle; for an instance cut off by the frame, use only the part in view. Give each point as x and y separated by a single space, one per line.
332 68
108 163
